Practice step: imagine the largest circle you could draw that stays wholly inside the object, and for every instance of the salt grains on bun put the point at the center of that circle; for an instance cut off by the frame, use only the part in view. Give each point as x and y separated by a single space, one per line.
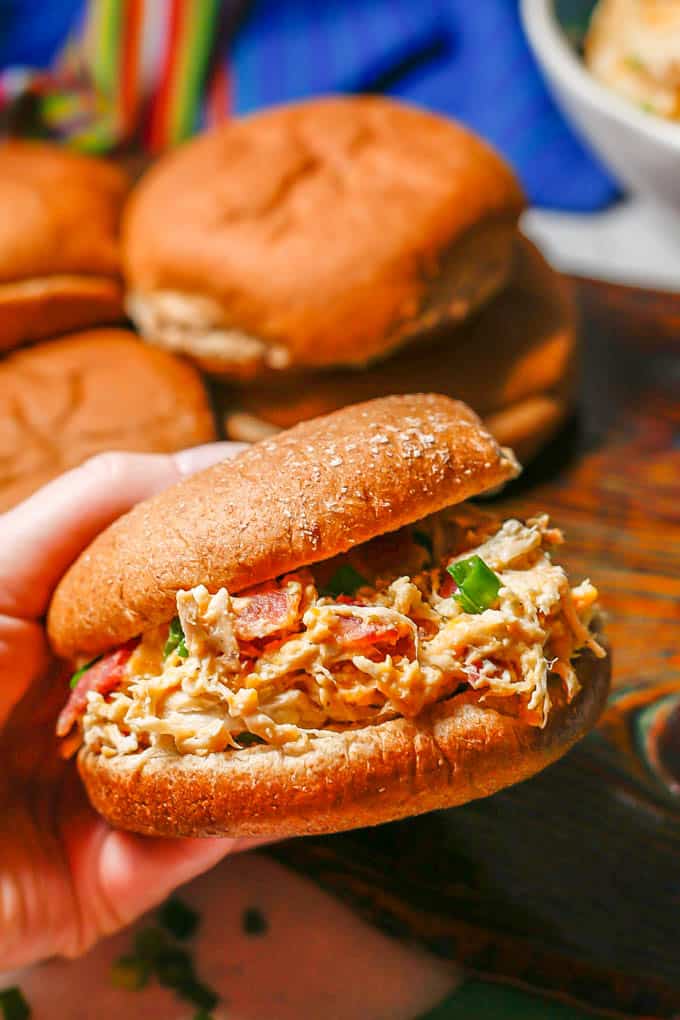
290 694
59 258
323 233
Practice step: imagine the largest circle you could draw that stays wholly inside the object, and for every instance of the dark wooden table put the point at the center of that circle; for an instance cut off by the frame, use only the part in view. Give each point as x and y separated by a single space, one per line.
571 882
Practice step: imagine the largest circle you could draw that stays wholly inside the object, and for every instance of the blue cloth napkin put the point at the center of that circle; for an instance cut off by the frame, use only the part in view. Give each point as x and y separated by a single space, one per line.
465 58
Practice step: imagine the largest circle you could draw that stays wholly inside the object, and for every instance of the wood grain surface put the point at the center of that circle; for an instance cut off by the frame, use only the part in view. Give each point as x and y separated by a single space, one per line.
571 881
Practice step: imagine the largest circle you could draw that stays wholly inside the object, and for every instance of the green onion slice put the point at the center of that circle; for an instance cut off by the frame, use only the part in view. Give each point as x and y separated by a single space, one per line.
176 641
73 682
478 586
13 1005
344 581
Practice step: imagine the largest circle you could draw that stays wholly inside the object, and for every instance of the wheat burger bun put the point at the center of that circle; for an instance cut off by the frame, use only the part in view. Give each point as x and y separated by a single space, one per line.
82 394
303 496
323 233
514 363
59 254
306 495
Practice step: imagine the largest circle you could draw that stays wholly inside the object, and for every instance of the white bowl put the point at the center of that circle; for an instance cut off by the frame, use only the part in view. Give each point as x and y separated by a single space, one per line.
642 150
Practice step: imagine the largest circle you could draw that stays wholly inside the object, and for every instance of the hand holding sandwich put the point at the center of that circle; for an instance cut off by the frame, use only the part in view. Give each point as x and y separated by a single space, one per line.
66 878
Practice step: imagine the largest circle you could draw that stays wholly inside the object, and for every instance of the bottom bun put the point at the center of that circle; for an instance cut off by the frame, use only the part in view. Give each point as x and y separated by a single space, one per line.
45 307
456 752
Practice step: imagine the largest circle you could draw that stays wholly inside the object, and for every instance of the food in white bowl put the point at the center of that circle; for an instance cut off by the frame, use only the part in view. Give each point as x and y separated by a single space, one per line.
633 47
642 149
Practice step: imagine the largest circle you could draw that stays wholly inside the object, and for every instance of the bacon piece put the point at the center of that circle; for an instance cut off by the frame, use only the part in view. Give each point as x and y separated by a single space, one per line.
354 632
448 586
264 610
104 677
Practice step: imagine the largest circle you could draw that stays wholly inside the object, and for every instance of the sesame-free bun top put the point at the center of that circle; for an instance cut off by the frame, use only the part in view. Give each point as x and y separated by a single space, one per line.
513 363
303 496
321 233
82 394
59 232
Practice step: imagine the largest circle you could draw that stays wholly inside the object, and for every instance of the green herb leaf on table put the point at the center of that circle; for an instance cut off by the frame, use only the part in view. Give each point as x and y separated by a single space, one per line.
344 581
478 586
157 955
254 922
13 1005
178 918
131 973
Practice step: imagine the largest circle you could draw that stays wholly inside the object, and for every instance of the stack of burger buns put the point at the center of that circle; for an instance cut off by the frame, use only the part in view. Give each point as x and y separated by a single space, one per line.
331 251
305 258
82 387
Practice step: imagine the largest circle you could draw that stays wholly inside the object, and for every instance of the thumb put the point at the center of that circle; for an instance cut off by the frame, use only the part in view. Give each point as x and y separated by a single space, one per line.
117 876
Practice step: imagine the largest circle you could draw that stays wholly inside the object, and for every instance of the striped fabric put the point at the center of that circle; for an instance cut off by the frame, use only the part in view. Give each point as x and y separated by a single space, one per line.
151 72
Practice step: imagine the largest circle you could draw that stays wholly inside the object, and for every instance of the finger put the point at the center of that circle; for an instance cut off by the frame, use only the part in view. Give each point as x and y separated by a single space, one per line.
117 876
23 657
42 536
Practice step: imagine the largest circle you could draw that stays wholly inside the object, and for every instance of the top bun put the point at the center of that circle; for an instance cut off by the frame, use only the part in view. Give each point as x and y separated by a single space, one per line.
59 255
321 233
303 496
67 208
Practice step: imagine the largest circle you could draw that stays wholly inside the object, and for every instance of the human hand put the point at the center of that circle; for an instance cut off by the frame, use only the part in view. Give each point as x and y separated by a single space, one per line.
66 877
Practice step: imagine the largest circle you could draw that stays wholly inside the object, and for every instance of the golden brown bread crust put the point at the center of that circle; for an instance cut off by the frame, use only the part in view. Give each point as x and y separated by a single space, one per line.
45 307
68 208
525 426
456 752
522 387
332 230
63 401
303 496
529 424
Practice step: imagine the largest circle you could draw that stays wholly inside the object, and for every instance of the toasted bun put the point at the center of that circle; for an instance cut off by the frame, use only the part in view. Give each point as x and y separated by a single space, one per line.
457 751
521 386
61 269
303 496
63 401
321 233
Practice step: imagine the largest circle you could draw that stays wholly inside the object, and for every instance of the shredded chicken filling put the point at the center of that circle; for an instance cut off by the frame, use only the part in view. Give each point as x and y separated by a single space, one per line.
284 664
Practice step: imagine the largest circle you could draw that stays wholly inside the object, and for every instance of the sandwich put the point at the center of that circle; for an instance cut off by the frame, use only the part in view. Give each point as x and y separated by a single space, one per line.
514 363
324 633
322 233
81 394
59 257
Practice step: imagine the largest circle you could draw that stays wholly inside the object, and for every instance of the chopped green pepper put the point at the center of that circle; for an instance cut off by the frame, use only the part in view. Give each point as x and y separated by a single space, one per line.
13 1004
73 682
176 641
203 1015
478 586
344 581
